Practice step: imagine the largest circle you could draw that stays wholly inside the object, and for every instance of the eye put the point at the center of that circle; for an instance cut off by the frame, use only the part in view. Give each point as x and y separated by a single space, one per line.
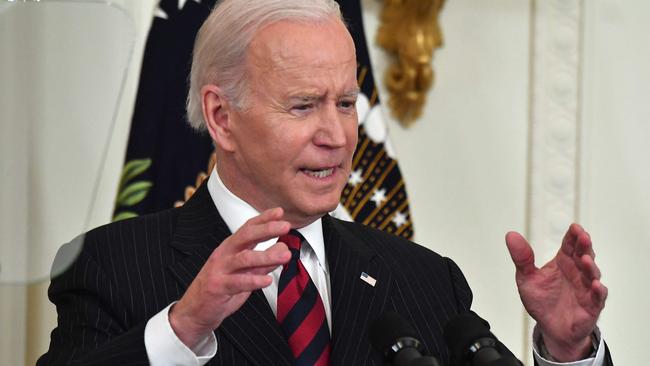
347 104
303 107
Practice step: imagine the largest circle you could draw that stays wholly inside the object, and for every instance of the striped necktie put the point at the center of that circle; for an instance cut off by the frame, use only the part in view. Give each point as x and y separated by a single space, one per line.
301 313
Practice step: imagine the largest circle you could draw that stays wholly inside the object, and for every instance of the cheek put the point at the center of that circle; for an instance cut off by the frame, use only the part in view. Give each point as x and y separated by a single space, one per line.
267 141
281 154
352 134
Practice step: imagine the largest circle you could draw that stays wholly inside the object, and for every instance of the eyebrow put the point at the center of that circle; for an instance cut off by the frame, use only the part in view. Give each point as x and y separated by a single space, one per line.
309 97
352 93
305 98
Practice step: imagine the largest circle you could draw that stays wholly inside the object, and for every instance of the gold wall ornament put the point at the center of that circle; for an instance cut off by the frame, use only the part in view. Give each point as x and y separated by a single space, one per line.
410 31
200 178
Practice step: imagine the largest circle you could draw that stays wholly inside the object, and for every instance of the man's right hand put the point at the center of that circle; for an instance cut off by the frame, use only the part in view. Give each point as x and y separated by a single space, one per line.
228 277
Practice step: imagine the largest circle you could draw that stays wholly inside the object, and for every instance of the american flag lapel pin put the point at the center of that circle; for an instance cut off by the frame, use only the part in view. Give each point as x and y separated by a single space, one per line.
368 279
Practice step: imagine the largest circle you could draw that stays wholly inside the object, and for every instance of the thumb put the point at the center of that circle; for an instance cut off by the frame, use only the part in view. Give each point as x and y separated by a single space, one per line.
521 253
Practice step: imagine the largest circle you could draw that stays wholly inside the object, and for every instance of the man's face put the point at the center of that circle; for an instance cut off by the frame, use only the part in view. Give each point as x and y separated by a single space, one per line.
293 143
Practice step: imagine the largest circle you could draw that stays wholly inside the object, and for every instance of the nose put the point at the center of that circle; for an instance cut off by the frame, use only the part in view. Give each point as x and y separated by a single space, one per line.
333 127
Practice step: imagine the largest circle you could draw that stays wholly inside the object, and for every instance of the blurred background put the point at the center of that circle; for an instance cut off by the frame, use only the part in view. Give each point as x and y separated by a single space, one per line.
538 117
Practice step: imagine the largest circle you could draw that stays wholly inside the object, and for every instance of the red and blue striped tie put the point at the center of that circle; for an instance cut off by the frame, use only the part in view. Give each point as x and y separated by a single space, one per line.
300 309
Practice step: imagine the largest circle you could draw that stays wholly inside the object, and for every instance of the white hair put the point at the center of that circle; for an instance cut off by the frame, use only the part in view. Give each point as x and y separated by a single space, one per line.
219 55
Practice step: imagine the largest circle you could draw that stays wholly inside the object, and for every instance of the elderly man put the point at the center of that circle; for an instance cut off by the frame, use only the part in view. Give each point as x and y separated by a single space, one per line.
274 83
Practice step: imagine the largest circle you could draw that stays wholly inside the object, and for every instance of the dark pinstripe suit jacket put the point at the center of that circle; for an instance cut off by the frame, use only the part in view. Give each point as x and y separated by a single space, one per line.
129 271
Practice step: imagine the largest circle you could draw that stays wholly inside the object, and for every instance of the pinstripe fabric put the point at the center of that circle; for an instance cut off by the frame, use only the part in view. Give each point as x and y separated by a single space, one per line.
411 280
130 270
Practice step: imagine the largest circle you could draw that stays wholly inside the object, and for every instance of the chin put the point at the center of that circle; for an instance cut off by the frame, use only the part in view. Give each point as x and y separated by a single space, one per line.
321 207
311 204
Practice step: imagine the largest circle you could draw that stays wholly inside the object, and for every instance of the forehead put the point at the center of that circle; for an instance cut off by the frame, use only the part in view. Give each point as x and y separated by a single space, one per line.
285 48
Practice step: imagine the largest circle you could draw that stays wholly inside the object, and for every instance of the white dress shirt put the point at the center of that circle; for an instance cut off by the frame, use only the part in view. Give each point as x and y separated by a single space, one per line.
163 346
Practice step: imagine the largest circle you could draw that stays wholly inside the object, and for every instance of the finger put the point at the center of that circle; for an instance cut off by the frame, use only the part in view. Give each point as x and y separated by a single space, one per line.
260 228
281 250
570 239
521 253
267 225
245 282
599 293
584 245
248 260
589 268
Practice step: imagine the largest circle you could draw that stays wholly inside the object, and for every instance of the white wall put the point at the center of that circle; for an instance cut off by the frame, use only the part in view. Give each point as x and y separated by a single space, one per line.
63 132
536 119
539 116
464 161
615 184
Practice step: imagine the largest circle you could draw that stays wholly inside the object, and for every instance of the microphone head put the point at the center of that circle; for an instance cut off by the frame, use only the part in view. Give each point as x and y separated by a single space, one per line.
463 331
387 329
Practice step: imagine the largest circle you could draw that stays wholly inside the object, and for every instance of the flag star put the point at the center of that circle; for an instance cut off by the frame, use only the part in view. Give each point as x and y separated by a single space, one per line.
355 178
399 219
181 4
160 13
379 196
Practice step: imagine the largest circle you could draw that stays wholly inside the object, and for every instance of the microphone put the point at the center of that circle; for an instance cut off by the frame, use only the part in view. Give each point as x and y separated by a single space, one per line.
393 337
472 344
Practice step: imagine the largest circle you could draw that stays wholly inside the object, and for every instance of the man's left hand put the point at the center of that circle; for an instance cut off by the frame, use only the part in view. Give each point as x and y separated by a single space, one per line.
565 296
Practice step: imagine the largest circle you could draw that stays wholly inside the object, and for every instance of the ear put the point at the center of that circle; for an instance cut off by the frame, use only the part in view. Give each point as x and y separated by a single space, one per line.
217 115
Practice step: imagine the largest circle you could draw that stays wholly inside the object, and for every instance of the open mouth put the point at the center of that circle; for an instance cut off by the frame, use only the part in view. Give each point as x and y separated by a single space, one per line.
321 173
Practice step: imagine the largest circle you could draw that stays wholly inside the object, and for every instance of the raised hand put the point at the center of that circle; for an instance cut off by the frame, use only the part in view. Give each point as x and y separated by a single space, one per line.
228 277
565 296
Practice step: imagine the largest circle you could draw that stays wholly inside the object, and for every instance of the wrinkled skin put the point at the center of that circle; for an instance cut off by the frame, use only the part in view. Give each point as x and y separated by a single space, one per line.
565 296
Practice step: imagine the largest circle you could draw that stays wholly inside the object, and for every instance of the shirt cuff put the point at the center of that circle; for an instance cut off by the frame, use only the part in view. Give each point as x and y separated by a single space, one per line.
596 360
164 348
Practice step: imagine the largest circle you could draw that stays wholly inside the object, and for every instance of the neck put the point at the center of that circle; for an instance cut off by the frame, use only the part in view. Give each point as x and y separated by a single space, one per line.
239 187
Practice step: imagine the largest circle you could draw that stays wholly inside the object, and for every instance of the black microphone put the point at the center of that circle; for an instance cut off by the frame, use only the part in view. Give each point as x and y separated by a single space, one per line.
472 344
397 341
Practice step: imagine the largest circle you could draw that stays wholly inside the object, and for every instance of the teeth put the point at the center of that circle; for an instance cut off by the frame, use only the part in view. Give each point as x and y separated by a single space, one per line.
320 173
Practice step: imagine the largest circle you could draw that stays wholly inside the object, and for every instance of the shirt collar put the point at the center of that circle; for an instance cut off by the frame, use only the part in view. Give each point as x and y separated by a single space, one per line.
235 212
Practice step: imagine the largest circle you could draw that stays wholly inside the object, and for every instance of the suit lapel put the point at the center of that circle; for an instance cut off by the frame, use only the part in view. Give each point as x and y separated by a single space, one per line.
255 331
199 230
355 303
252 329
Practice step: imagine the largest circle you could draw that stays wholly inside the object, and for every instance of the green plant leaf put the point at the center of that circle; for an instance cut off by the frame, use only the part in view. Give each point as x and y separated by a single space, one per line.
124 215
132 169
133 193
